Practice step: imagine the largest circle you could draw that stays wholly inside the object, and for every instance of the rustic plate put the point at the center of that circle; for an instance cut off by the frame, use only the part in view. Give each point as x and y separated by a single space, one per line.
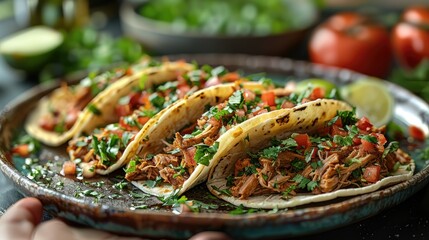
110 204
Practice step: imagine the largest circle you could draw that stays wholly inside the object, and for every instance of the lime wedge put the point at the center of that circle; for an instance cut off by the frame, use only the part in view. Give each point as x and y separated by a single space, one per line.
371 99
30 48
315 82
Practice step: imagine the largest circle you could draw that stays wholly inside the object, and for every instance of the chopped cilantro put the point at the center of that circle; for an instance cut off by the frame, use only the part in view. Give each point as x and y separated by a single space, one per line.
92 108
369 138
348 117
225 192
271 152
343 141
297 165
305 183
205 153
288 191
153 183
316 165
391 147
131 167
157 100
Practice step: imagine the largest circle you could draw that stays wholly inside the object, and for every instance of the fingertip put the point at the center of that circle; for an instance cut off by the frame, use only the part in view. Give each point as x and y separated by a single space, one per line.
210 236
30 209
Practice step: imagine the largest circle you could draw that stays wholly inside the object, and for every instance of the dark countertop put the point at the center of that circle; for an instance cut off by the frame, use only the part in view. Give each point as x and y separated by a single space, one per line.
408 220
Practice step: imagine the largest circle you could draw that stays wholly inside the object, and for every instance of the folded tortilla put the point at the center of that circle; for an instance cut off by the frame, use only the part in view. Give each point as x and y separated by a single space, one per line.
306 118
151 139
99 111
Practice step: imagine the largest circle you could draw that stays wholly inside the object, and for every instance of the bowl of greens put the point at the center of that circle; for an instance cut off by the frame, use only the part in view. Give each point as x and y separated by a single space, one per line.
241 26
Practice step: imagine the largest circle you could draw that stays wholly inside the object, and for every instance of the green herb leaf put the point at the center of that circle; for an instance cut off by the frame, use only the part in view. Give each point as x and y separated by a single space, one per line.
205 153
391 147
92 108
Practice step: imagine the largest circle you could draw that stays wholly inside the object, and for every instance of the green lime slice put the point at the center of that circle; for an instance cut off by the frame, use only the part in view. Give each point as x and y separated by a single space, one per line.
315 82
31 48
371 99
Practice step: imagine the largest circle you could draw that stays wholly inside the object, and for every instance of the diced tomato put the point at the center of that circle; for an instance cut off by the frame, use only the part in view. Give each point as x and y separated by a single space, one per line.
317 93
416 133
144 100
336 130
338 122
381 140
240 113
134 100
303 140
69 168
372 173
129 72
269 98
367 146
356 141
47 123
323 131
123 110
364 124
21 150
143 120
230 77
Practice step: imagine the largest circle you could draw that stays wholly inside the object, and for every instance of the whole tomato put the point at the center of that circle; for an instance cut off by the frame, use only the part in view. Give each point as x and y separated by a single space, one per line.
410 37
352 40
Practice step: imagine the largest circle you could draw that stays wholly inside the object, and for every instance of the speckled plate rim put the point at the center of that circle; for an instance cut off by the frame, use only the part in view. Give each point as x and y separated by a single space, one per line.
313 218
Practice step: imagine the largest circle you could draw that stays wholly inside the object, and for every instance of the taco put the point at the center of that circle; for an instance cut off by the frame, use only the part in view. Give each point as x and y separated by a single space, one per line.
104 150
70 110
177 150
311 153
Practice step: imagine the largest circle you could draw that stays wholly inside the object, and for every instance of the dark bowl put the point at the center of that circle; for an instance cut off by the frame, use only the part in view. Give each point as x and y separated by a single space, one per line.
160 38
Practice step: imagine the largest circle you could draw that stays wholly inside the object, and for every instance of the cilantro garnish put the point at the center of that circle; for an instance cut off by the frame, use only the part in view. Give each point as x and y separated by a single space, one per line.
92 108
153 183
305 183
205 153
392 147
225 192
343 141
271 152
369 138
298 165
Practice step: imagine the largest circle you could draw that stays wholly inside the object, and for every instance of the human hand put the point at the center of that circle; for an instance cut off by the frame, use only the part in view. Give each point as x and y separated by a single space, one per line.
22 221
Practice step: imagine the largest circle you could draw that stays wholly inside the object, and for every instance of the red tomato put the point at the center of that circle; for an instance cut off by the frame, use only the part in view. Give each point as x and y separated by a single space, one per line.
410 37
303 140
69 168
143 120
372 173
317 93
416 133
269 98
364 124
335 130
230 77
367 146
123 110
21 150
353 41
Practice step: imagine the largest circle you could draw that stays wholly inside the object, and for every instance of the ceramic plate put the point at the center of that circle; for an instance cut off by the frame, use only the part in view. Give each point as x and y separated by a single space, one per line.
111 204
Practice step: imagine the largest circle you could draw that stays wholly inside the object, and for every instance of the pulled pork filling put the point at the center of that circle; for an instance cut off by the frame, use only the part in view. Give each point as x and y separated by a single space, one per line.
348 152
66 103
105 146
196 144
